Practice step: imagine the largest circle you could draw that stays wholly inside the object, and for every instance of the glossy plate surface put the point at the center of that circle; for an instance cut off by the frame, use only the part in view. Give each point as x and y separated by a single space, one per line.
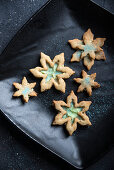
48 32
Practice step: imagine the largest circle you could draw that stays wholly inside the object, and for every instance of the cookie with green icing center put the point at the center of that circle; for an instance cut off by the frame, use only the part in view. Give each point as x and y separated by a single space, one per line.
72 112
51 72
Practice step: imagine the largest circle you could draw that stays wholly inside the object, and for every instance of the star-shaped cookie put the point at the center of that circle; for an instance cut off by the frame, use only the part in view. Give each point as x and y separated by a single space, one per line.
52 72
71 113
25 89
88 49
87 82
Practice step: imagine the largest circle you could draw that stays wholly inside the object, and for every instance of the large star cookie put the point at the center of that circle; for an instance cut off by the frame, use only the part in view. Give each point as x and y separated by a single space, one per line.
87 82
53 72
25 89
72 113
88 49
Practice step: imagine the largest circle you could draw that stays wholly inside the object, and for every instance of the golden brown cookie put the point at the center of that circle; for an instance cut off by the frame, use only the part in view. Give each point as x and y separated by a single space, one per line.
53 72
87 82
88 49
25 89
72 113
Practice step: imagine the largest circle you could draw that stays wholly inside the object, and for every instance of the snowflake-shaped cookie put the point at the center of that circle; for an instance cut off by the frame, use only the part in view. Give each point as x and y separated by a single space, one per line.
25 89
53 72
88 49
87 82
72 113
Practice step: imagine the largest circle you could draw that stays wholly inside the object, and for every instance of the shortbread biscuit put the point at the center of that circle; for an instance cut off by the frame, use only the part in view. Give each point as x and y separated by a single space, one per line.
87 82
71 113
88 49
52 72
25 89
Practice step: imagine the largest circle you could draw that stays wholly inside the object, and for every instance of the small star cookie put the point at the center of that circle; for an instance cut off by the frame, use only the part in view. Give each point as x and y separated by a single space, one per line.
52 72
25 89
88 49
72 113
87 82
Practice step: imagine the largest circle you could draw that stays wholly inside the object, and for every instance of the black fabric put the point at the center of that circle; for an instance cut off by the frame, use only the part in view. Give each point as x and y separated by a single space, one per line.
50 30
106 4
13 15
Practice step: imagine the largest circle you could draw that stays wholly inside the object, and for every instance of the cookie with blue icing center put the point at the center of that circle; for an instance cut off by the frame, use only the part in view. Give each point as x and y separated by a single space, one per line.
87 82
25 89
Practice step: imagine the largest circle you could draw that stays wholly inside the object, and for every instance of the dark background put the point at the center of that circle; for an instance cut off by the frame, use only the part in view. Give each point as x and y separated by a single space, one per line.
107 4
17 151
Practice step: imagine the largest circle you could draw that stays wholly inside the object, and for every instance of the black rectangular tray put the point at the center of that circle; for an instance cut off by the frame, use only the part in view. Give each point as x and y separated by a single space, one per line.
49 31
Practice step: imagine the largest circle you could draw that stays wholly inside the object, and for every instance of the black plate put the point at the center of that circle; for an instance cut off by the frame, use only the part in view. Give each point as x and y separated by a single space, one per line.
49 31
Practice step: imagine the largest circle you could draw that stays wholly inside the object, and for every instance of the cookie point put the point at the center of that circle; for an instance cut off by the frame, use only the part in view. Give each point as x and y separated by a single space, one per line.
90 102
63 90
83 71
54 101
42 55
70 133
62 54
89 29
104 39
95 75
14 83
72 92
14 94
78 90
36 94
41 52
54 122
34 83
69 41
90 94
31 70
42 90
26 101
73 72
24 77
71 60
89 123
88 67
